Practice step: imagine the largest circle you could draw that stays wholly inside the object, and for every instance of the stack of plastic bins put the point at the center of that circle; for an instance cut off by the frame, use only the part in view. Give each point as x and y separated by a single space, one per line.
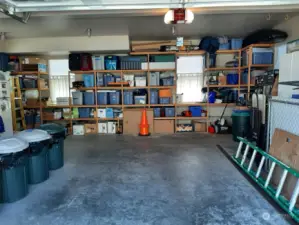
154 96
77 98
114 98
88 80
13 169
88 98
102 98
38 161
56 151
128 97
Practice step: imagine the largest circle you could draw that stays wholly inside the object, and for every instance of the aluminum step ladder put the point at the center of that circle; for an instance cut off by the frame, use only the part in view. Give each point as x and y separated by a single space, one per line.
289 205
17 105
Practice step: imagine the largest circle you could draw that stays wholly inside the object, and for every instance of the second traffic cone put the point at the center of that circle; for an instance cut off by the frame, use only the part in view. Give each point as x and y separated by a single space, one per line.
143 126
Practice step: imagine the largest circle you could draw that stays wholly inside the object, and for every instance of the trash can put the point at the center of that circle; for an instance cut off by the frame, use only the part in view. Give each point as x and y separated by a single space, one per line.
13 174
38 159
56 151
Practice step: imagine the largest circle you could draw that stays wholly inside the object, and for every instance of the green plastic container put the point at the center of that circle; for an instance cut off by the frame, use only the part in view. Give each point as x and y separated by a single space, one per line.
162 58
38 160
241 124
56 151
13 170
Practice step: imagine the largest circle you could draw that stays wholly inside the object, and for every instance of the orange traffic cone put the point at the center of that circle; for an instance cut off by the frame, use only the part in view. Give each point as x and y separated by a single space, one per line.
144 127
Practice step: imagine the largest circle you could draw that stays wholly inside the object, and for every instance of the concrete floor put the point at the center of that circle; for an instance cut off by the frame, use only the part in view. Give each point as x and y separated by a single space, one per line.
180 179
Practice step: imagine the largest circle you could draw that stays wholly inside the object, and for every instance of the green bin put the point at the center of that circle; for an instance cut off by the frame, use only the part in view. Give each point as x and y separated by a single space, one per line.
56 151
241 124
13 174
38 159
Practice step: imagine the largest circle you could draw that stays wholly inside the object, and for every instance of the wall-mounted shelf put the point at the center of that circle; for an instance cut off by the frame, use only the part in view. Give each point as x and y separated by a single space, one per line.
164 118
221 69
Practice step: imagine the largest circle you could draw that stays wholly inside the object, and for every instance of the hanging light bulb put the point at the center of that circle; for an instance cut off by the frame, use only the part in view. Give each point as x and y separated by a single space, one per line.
175 16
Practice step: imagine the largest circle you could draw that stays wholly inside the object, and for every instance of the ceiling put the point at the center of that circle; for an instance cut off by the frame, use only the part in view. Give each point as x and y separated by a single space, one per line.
142 19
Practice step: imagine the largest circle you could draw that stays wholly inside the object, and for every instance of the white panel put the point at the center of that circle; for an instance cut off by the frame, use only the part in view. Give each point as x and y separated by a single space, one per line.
67 44
285 67
295 66
190 64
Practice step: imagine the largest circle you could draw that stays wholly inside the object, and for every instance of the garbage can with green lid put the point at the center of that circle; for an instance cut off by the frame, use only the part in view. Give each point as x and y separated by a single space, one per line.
13 174
56 151
38 159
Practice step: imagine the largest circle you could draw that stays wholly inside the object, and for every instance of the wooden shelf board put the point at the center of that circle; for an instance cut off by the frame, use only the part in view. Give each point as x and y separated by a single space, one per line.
44 89
83 88
161 87
109 106
115 119
257 66
161 70
199 52
164 118
153 53
221 104
152 105
231 51
31 107
108 88
83 106
84 119
246 85
134 71
28 73
190 118
128 88
225 85
258 45
57 106
131 106
56 119
82 72
26 89
221 68
185 104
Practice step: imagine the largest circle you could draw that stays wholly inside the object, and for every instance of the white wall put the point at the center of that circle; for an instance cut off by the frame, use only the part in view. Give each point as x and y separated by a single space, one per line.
60 45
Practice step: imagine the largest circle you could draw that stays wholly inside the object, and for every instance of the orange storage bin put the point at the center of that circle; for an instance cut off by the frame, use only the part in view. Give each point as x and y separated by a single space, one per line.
165 93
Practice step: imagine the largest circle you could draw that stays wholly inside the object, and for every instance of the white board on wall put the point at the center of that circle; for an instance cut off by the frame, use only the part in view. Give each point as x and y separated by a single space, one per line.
190 64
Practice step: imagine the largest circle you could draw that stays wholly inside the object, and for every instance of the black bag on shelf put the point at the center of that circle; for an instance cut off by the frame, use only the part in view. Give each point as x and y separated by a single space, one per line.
75 61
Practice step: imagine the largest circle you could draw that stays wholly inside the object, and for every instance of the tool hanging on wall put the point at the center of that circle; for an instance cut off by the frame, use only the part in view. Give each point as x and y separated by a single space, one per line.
17 109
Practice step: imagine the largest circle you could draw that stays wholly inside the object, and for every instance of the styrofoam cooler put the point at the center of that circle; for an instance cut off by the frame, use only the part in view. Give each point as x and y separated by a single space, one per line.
102 98
154 96
77 98
88 98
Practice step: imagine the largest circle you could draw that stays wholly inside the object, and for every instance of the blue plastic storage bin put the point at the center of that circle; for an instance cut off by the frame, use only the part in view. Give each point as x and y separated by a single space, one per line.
114 98
169 112
109 113
232 78
102 98
88 98
212 97
167 81
157 112
88 80
195 111
225 46
154 96
262 56
164 100
128 97
108 78
236 43
84 112
111 62
100 80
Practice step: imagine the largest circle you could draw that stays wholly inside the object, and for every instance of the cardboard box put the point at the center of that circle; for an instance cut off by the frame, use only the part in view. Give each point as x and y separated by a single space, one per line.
43 83
164 126
222 80
111 127
132 119
200 126
33 60
32 102
90 128
285 147
78 129
102 128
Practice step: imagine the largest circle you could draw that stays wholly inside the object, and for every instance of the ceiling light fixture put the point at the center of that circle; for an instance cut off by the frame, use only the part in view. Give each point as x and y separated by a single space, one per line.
179 16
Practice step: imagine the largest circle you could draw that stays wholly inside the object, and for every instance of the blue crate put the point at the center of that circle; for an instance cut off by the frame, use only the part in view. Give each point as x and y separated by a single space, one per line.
102 98
100 80
195 111
111 62
108 78
84 112
154 96
157 112
164 100
88 98
88 80
236 43
128 97
232 78
169 112
167 81
262 56
114 98
225 46
109 113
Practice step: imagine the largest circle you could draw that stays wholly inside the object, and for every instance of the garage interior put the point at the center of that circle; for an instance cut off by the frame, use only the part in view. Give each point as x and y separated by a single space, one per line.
113 112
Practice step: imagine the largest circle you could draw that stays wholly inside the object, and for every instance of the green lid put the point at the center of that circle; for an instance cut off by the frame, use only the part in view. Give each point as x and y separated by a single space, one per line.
52 128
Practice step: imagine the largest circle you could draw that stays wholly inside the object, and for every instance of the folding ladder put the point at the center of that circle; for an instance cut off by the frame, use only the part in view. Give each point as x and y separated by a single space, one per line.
241 159
17 105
